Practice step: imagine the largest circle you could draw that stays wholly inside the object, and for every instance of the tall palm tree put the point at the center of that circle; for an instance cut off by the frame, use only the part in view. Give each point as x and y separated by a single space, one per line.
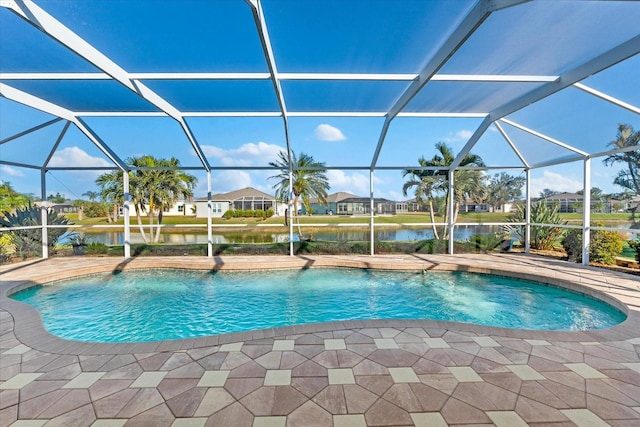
628 178
155 184
467 183
309 179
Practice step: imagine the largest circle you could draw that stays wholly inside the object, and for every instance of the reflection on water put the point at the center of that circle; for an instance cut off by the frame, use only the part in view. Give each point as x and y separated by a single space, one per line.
462 232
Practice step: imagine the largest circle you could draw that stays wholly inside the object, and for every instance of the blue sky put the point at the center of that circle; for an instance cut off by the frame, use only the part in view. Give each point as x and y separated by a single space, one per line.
321 37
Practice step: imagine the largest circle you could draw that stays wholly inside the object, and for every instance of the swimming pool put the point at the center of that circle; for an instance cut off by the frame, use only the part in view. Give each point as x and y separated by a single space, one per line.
150 305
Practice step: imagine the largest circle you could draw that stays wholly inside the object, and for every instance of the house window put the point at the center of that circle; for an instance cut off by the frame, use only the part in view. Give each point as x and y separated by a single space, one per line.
216 207
180 208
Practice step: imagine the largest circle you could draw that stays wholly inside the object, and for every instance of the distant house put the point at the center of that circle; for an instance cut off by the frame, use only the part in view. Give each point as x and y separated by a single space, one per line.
60 208
245 199
332 203
180 208
362 206
472 206
572 202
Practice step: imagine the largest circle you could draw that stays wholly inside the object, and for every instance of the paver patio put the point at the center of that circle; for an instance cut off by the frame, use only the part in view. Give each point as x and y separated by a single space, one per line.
354 373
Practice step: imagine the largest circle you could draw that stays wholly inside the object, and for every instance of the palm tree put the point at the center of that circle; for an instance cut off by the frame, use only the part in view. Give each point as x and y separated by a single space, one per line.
627 178
111 191
156 184
308 179
92 195
467 183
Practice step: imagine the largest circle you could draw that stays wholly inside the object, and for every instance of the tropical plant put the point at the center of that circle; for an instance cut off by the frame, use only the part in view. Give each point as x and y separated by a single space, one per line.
10 198
467 184
56 198
154 185
28 242
542 237
112 191
306 177
628 178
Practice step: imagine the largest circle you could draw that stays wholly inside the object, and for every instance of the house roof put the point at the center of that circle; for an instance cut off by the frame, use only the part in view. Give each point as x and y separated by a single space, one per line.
247 193
335 197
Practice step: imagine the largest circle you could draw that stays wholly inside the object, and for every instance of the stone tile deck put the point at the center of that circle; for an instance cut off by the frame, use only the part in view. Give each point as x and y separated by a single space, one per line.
355 373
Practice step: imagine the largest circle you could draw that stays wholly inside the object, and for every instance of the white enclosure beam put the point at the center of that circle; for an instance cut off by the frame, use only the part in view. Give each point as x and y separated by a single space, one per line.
89 133
263 33
21 165
450 223
56 144
51 26
471 22
372 233
545 137
127 214
209 210
586 211
44 214
29 100
511 144
527 212
605 60
513 78
607 98
28 131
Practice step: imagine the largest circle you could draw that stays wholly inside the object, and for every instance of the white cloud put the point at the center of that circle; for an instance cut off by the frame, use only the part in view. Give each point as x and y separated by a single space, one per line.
248 154
226 181
75 156
554 181
461 135
325 132
355 183
8 170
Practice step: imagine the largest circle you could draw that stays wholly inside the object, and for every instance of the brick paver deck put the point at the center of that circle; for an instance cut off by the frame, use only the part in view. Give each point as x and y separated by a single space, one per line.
355 373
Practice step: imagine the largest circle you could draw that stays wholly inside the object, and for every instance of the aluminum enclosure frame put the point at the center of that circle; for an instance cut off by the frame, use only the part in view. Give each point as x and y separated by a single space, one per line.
39 18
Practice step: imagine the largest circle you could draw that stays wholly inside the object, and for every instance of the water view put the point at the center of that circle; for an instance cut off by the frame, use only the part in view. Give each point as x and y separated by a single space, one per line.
462 232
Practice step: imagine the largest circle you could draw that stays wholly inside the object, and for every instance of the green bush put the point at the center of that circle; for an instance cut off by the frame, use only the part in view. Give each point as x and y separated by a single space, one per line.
228 214
572 244
97 248
635 245
485 242
604 248
269 213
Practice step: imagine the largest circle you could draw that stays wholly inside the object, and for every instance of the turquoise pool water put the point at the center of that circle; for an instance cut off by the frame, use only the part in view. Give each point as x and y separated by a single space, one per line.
154 305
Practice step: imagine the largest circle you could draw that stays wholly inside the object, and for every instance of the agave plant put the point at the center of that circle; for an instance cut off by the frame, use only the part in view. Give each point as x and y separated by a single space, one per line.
542 237
28 242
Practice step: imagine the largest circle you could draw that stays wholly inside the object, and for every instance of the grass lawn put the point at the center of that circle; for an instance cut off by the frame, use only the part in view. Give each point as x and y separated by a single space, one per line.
421 217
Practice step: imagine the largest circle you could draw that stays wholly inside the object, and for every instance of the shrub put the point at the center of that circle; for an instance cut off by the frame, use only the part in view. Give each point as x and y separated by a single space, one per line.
97 248
269 213
228 214
635 245
485 242
6 247
572 244
28 242
604 248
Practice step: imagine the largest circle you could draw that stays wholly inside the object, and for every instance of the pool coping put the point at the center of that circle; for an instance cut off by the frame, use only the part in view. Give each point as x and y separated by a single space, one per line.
619 289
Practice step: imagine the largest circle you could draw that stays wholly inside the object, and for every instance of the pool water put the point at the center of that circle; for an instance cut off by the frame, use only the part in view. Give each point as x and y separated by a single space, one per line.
138 306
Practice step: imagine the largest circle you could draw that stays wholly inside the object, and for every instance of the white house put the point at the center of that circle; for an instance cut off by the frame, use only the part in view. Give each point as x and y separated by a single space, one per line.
244 199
